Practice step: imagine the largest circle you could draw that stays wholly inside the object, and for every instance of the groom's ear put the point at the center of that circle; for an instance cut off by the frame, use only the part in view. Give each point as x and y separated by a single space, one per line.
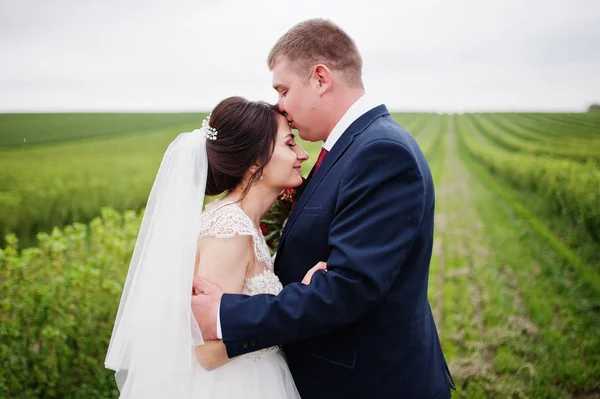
322 78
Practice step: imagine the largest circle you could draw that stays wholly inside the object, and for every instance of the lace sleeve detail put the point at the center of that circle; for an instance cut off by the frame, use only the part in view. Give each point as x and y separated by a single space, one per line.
229 221
225 222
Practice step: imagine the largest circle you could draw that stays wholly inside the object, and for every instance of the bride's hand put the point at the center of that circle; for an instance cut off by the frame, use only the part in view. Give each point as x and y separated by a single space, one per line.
319 266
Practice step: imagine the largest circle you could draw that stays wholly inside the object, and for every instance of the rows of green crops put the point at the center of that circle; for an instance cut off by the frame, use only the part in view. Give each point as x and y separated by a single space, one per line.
514 281
563 169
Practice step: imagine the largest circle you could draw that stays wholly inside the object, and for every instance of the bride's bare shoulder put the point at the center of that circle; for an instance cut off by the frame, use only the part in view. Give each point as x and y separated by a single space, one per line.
224 261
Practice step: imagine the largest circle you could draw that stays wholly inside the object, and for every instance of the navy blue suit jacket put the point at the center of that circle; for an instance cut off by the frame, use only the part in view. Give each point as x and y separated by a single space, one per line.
364 329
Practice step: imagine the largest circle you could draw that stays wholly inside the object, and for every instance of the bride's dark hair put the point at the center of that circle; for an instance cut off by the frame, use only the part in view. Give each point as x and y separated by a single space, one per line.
247 131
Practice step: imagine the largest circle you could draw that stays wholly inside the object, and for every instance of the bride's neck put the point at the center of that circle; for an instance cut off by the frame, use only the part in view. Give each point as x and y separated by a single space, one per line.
256 203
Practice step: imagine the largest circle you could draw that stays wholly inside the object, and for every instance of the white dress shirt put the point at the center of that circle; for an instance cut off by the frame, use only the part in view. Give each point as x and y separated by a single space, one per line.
360 107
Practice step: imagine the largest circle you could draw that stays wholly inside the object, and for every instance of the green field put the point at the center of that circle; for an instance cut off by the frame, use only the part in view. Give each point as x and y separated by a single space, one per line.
58 177
515 274
67 178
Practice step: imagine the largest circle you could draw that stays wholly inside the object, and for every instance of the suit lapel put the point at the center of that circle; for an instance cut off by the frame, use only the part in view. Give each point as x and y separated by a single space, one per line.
340 147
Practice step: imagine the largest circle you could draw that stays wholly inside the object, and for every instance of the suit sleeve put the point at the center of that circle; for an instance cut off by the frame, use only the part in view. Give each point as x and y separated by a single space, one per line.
379 211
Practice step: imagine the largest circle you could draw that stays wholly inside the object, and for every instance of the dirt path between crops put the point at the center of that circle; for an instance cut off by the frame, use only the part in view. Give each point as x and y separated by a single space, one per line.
462 239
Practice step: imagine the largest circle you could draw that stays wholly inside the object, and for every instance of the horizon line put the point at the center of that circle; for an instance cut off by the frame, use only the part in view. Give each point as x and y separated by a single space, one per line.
206 111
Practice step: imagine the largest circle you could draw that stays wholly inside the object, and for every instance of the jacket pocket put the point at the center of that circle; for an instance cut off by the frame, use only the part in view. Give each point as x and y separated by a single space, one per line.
331 352
311 210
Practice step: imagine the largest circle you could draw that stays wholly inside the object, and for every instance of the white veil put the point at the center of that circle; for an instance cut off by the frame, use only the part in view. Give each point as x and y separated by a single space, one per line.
151 348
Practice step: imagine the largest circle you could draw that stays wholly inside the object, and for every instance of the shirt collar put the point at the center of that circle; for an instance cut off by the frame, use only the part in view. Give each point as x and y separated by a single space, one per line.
356 110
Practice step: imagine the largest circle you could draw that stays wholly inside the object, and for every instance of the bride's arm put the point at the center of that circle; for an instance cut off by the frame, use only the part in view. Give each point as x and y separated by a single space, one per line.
212 354
224 262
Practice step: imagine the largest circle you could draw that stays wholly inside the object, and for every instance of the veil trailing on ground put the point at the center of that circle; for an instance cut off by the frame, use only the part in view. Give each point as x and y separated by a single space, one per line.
151 347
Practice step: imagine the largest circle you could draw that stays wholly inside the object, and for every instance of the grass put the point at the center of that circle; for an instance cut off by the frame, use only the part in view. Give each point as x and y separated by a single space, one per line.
19 131
519 319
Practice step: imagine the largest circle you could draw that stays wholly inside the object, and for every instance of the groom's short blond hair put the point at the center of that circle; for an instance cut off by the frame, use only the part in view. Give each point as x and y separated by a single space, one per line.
318 41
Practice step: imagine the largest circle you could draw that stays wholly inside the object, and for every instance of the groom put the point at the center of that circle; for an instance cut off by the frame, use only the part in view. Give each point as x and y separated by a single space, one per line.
364 329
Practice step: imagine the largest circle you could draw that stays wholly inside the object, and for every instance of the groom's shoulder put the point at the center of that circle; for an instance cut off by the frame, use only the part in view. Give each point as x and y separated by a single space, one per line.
386 130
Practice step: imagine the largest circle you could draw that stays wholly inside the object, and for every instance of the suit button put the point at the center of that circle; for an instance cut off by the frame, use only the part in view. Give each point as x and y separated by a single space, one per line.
253 343
245 345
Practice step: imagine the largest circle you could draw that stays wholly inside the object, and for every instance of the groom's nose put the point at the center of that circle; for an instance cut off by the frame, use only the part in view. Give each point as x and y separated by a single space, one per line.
281 107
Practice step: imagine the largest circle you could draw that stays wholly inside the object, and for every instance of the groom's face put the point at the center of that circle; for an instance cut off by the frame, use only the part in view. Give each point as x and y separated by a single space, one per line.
299 100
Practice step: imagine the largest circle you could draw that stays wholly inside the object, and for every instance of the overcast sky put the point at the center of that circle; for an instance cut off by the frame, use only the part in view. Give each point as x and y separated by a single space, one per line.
421 55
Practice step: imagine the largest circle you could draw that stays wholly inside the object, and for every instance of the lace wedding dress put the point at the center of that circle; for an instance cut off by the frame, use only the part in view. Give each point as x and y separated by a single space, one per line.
258 375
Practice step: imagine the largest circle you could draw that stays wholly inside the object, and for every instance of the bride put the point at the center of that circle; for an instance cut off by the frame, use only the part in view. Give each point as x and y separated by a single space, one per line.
247 151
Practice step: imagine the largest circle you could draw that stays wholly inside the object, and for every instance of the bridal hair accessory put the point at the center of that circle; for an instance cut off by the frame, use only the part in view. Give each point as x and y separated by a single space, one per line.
207 130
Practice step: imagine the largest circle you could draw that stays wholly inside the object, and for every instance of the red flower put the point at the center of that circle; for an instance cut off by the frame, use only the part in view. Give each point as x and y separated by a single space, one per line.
288 194
276 216
264 230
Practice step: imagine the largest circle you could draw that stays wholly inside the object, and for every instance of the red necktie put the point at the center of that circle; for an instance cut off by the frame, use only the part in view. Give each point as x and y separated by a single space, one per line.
320 159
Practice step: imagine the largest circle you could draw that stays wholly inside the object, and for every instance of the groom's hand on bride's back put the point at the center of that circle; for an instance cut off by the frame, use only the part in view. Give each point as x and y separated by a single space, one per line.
205 306
206 298
308 277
